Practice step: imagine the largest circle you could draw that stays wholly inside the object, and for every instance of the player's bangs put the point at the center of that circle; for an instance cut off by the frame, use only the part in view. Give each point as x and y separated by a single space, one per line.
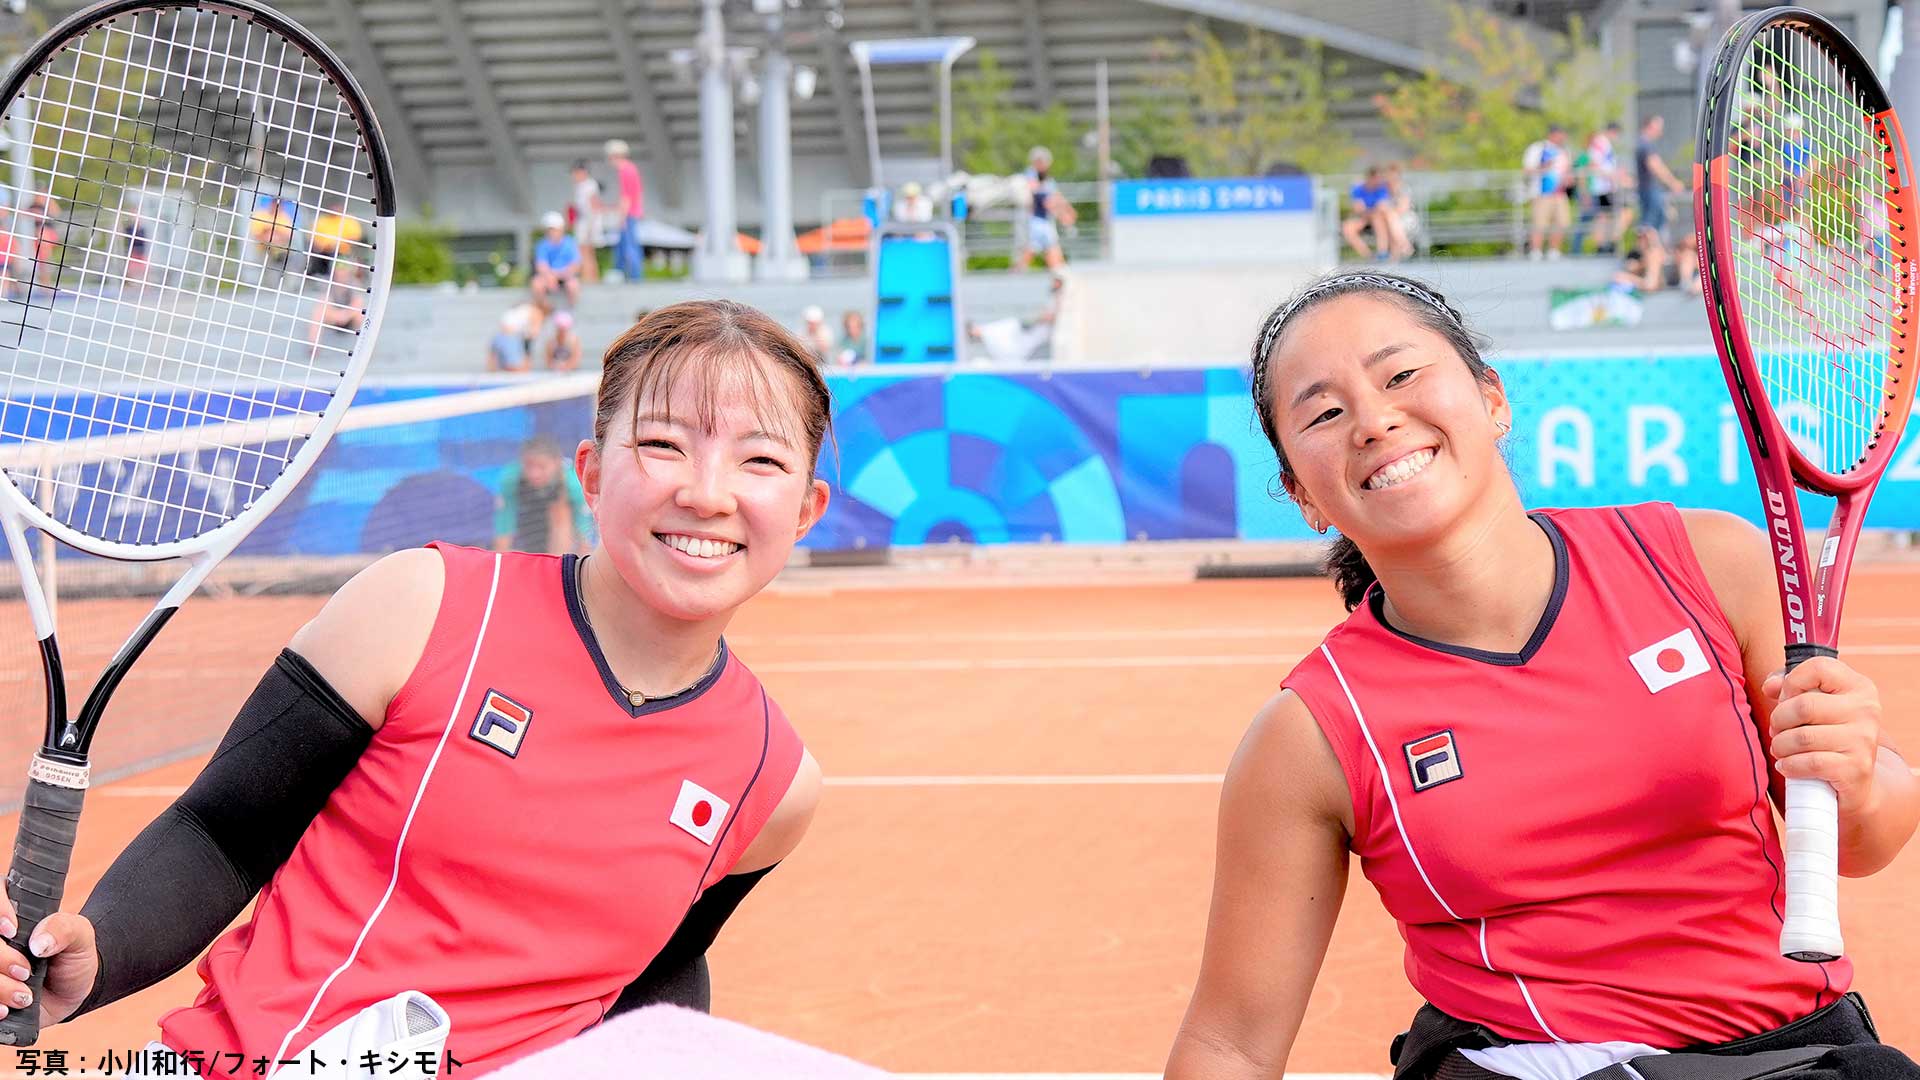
724 375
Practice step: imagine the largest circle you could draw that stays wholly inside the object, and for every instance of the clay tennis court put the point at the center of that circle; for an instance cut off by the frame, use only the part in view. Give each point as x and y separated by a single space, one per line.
1009 873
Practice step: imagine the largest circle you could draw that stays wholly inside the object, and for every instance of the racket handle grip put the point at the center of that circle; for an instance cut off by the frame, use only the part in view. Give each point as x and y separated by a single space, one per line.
1811 931
42 852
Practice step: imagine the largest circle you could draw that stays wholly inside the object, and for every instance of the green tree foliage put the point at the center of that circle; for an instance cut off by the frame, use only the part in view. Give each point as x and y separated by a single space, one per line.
422 254
1238 109
1519 88
992 134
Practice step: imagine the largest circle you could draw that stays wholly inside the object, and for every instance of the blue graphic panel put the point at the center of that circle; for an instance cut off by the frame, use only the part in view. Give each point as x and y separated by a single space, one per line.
1080 457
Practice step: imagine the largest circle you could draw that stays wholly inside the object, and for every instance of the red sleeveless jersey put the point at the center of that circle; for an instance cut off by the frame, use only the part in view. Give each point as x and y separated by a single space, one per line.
1575 839
517 842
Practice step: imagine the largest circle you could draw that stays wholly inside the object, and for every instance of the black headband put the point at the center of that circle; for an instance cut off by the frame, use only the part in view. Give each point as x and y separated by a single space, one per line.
1340 281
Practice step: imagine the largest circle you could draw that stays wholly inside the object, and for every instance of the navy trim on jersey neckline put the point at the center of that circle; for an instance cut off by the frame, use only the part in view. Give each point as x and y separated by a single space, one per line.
1377 599
570 584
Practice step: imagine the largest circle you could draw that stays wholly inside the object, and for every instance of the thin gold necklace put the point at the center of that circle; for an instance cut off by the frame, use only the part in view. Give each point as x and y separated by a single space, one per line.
635 697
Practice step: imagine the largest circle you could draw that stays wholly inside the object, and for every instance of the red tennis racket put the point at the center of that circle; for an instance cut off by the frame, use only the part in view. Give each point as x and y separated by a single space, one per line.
1805 219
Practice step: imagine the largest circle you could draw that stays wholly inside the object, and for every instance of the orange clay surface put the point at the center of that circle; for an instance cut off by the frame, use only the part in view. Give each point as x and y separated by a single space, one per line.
1010 868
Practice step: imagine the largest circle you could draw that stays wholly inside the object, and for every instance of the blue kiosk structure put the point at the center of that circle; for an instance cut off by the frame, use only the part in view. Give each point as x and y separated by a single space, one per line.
915 265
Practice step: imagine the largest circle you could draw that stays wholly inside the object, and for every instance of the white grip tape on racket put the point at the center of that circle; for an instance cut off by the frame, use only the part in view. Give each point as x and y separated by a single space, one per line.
59 773
1811 930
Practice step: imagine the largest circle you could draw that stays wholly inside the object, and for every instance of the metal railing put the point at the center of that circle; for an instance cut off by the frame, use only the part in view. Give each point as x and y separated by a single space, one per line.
991 235
1466 213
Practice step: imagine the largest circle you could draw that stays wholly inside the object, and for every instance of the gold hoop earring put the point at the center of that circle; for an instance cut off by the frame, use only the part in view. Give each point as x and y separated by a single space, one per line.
1503 426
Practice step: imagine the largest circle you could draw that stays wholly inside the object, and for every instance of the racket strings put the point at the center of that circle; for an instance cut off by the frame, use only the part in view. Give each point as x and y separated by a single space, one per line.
1816 248
162 353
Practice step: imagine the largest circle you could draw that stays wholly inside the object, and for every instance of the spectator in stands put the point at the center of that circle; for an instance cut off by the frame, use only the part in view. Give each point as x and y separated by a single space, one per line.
135 245
1653 264
334 232
1014 340
343 306
563 351
1370 207
1599 172
1402 218
10 269
583 219
1047 213
43 214
271 229
817 334
913 205
540 506
512 346
1654 179
1548 170
556 262
627 255
853 338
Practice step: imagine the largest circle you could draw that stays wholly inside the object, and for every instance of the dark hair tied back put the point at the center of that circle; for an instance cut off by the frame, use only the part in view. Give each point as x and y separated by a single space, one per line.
1425 305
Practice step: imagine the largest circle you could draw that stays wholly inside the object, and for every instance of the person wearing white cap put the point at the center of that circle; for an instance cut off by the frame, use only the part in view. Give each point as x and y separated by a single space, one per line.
556 261
817 334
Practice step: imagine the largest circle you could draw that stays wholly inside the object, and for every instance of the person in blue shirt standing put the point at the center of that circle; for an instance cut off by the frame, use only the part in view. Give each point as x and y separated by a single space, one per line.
556 262
1549 167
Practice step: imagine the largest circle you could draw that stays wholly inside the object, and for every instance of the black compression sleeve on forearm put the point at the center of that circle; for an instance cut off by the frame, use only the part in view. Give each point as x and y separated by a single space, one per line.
187 875
678 973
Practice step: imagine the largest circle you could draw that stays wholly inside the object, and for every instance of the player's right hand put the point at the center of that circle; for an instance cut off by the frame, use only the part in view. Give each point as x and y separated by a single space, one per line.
66 940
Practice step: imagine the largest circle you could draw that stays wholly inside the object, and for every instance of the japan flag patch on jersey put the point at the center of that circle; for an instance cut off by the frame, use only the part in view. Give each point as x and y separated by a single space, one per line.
699 812
1670 661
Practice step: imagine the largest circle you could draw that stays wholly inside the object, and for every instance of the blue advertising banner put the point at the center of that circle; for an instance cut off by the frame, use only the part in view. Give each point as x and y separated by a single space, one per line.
1262 195
1074 457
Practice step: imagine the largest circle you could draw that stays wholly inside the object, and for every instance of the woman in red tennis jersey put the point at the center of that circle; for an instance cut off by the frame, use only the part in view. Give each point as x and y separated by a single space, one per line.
528 787
1549 736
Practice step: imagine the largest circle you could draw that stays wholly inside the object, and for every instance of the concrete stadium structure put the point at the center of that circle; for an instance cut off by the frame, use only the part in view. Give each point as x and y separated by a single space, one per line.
486 102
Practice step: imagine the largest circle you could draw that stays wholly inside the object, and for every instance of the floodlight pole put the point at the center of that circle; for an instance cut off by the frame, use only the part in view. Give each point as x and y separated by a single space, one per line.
718 258
780 258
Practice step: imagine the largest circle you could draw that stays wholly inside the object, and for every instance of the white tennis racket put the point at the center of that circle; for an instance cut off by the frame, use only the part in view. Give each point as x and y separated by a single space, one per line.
204 178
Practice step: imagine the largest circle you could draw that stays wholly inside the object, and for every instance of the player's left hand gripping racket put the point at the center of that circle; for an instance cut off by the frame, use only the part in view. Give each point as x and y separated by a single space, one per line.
202 174
1805 218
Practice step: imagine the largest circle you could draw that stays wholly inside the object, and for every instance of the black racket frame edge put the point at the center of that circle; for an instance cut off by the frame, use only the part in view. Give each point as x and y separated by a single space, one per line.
79 22
49 819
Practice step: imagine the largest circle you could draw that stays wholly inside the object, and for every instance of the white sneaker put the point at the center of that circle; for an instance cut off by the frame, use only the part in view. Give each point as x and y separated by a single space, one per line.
1553 253
1533 256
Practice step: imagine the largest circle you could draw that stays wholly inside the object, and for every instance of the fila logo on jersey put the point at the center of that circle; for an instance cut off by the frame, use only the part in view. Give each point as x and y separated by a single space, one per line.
1433 760
502 723
699 811
1670 660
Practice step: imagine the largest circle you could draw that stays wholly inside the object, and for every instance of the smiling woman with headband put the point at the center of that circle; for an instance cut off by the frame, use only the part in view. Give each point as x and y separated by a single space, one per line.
1478 733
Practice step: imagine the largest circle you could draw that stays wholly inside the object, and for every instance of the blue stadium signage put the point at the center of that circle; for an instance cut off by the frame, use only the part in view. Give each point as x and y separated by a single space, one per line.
1255 195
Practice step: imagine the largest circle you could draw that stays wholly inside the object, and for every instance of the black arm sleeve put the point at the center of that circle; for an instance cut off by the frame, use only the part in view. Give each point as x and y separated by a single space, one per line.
678 974
187 875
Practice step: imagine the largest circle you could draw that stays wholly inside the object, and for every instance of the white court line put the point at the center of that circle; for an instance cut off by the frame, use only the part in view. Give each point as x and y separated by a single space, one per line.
1064 663
170 791
1025 663
1175 633
1059 780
